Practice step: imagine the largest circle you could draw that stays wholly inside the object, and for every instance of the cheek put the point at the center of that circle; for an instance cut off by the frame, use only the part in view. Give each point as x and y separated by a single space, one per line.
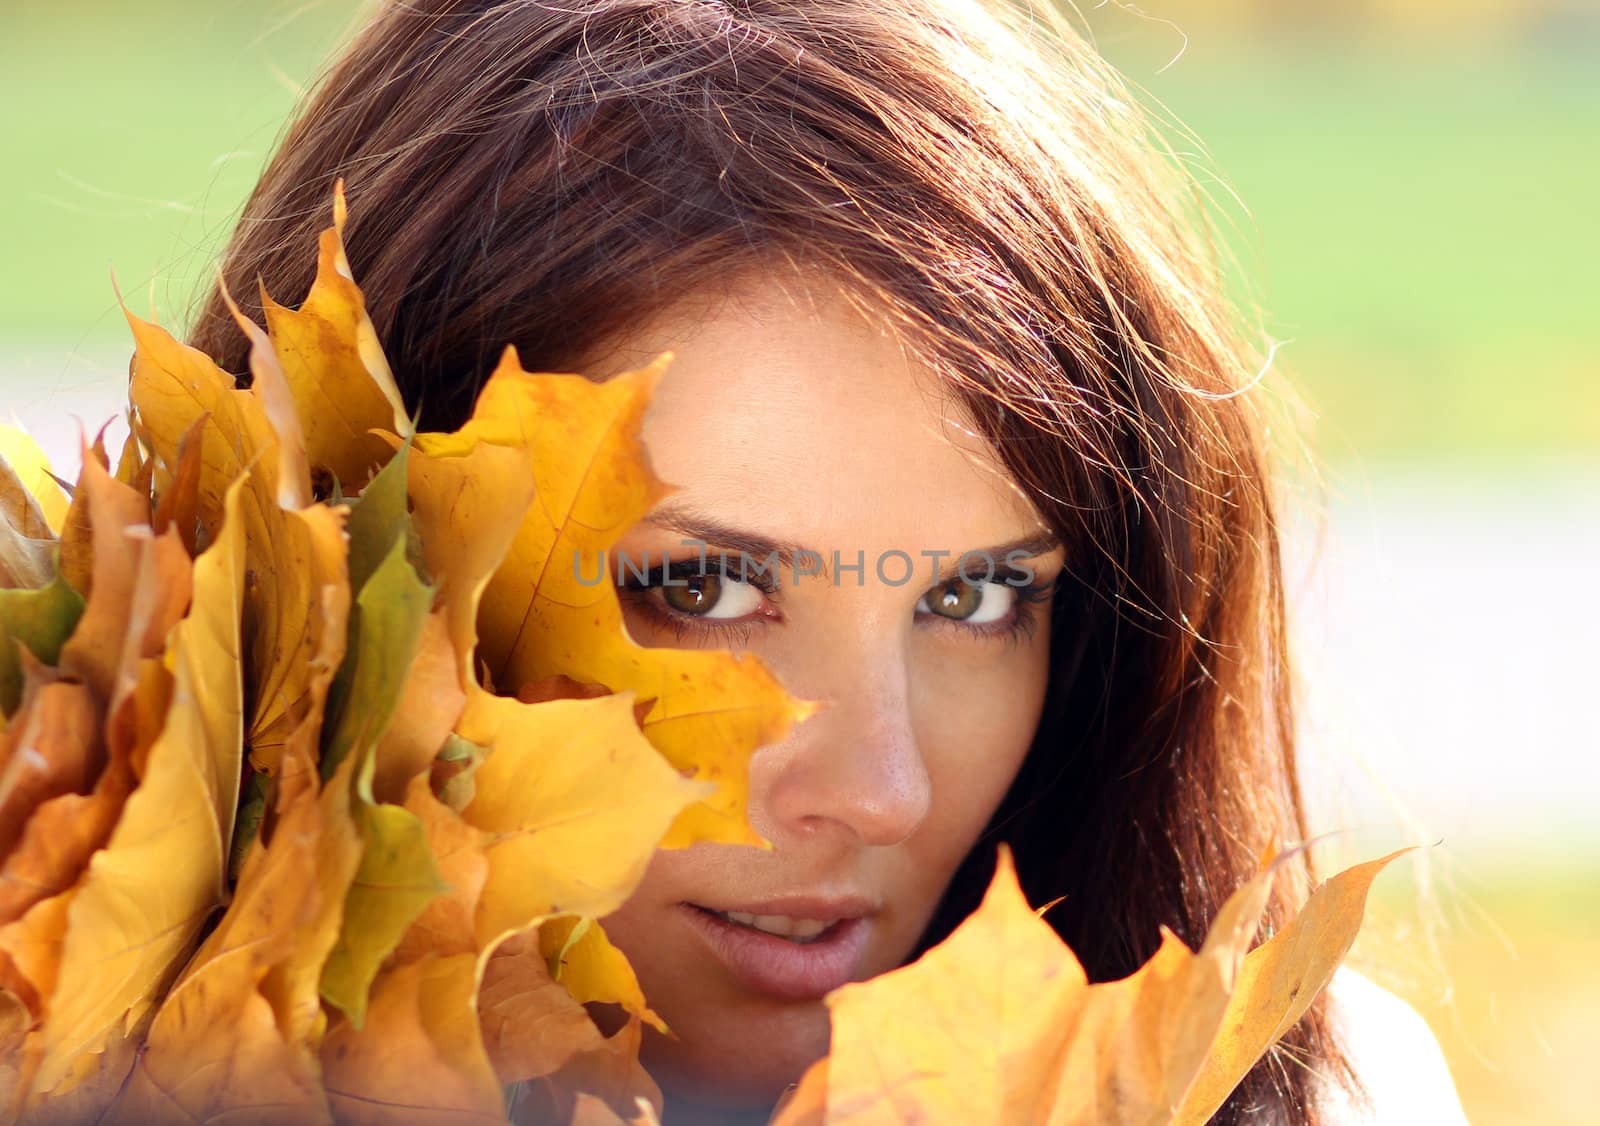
978 721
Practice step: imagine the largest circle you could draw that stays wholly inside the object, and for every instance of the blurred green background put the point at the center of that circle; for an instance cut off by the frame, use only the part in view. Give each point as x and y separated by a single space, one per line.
1410 190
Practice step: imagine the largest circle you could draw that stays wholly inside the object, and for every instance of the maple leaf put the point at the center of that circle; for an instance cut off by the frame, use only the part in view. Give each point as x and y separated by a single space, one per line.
238 1035
290 554
571 801
39 620
216 1046
1008 1028
1278 982
30 498
335 370
420 1056
95 649
145 896
538 618
583 959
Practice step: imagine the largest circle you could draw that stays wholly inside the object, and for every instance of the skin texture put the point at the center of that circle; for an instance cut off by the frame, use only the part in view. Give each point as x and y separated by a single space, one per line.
789 413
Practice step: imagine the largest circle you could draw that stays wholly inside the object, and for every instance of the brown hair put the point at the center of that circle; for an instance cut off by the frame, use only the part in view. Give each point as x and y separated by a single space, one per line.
545 174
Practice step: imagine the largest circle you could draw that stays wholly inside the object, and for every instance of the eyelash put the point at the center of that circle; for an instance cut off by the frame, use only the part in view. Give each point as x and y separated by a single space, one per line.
1019 627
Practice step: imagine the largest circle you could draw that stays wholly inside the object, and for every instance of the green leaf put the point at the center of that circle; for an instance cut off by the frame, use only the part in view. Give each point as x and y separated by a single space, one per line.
377 516
42 619
396 880
385 629
397 877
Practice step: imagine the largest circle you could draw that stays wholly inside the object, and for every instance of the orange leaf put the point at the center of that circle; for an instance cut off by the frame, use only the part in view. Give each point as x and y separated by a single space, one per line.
599 1085
419 1057
531 1025
446 923
146 894
467 506
94 651
52 747
430 704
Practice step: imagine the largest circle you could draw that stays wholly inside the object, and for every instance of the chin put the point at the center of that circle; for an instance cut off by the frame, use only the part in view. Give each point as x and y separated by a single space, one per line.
744 1065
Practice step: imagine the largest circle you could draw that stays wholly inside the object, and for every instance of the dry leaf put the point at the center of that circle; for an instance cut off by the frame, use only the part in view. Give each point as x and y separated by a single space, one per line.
571 801
30 499
539 619
583 959
216 1048
1278 982
420 1057
290 554
51 747
999 1022
600 1084
146 895
335 370
94 650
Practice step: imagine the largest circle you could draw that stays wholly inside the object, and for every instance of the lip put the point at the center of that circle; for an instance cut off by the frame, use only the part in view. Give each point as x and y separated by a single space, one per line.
779 967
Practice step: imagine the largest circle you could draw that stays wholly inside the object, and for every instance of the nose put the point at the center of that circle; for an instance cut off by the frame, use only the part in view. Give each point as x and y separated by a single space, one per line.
853 769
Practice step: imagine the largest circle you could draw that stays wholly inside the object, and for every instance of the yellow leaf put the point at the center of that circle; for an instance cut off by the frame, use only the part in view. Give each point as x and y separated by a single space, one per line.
215 1048
290 554
999 1022
1279 980
270 389
23 465
239 1035
539 617
420 1057
592 969
571 800
335 369
146 895
467 507
294 985
969 1033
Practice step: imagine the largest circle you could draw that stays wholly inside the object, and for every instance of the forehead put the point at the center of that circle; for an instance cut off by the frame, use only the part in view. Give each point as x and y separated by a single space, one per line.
791 410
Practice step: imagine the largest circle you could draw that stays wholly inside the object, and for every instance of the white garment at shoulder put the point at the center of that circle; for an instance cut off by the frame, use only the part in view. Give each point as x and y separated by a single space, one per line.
1394 1052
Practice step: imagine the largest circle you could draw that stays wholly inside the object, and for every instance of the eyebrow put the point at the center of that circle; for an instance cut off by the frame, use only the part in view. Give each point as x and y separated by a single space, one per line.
719 534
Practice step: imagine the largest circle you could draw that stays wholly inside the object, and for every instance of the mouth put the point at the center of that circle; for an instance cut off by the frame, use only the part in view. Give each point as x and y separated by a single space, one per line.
791 957
802 931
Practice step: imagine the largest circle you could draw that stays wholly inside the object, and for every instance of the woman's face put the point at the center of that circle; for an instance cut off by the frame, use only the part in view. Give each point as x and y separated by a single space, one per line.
788 417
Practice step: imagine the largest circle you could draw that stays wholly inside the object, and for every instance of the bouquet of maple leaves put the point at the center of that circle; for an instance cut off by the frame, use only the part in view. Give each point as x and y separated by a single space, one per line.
275 846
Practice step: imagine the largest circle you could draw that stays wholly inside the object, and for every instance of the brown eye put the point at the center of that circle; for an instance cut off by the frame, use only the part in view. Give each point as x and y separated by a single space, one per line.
706 596
961 601
697 595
